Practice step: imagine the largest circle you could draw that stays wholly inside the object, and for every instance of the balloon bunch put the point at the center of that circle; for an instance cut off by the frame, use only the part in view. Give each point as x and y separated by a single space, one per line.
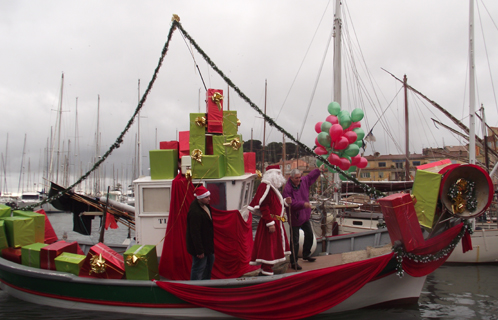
340 138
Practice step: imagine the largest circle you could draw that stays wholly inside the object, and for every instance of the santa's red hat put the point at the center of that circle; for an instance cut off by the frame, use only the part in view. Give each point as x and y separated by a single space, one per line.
201 192
273 167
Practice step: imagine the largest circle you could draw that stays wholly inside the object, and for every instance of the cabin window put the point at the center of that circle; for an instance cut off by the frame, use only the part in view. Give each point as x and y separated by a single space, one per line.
218 195
416 163
357 223
156 200
382 164
365 175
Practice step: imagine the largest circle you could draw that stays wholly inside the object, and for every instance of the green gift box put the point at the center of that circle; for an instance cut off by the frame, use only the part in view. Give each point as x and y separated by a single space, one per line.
141 263
197 138
5 211
230 126
426 192
163 164
39 220
69 262
212 167
4 243
30 254
20 231
223 145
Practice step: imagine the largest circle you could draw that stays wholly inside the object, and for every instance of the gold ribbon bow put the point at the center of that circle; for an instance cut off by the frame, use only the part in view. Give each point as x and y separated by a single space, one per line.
133 260
260 176
235 144
217 97
188 174
197 155
201 121
97 264
175 18
238 123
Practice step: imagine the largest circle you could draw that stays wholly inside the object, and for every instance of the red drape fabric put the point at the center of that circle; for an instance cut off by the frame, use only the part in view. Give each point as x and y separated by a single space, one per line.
232 238
431 246
466 242
294 297
110 221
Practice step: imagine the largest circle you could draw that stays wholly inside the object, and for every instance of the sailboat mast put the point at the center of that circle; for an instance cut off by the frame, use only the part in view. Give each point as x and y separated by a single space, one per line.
337 79
407 131
472 133
139 158
264 133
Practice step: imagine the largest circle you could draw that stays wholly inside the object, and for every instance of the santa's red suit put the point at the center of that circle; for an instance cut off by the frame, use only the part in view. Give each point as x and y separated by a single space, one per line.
269 248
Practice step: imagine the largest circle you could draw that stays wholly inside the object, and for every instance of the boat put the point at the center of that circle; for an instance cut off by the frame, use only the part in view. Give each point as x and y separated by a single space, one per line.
369 276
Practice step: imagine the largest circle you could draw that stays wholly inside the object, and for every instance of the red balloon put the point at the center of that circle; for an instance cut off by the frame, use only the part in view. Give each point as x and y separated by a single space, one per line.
355 125
362 163
332 119
318 127
351 136
345 164
341 144
334 159
321 151
335 132
355 160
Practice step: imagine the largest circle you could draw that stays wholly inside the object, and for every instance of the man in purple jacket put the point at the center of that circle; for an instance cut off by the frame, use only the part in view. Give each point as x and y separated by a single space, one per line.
298 188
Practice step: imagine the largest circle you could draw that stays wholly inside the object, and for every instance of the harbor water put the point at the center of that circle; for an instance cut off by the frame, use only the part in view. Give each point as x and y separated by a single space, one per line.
451 292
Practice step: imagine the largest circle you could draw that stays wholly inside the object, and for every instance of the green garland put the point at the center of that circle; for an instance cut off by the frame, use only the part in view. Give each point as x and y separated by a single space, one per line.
176 24
400 252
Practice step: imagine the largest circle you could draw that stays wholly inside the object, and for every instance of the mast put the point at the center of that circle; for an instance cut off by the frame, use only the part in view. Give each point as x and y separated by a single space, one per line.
407 132
486 155
139 149
21 172
472 120
264 132
97 151
337 80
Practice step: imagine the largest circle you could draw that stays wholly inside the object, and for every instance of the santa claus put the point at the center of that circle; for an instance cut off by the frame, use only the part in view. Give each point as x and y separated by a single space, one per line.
270 244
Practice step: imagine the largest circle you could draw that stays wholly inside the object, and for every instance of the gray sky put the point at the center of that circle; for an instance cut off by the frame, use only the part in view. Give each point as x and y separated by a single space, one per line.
104 47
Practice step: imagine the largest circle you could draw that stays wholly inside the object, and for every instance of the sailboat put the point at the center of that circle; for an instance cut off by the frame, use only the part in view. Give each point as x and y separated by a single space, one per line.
373 279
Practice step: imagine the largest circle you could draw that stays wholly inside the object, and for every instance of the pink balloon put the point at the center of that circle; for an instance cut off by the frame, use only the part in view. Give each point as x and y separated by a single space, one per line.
341 144
355 160
345 164
362 163
334 159
321 151
318 127
335 132
351 136
317 143
332 119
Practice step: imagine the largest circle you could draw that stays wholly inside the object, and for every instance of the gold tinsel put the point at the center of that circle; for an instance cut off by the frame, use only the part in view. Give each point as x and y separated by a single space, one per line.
260 176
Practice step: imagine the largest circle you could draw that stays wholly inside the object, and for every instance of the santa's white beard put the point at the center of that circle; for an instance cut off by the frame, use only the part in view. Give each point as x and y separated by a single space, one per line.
275 178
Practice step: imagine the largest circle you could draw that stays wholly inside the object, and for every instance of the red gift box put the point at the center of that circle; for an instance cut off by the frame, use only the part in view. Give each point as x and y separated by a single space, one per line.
214 110
52 251
250 162
184 137
401 220
114 263
12 254
169 145
50 236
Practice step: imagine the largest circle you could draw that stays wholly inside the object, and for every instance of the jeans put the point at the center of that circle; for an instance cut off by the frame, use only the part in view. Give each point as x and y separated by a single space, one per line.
308 241
201 268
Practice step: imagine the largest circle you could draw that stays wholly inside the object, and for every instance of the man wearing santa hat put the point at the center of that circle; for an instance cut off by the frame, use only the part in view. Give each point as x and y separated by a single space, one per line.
270 243
200 235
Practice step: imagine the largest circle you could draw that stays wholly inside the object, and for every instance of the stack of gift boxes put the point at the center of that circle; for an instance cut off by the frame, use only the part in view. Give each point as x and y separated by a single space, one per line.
212 143
23 240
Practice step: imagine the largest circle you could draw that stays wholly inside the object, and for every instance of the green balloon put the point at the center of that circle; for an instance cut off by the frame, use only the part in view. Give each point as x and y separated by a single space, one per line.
334 108
343 178
357 114
343 113
319 163
352 169
331 170
344 121
359 133
352 150
359 144
324 139
326 126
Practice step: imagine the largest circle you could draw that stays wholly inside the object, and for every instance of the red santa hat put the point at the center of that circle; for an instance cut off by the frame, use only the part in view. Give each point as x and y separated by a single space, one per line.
273 167
201 192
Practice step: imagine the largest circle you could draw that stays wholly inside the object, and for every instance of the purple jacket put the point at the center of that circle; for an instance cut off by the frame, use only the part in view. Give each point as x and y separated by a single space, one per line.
300 196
